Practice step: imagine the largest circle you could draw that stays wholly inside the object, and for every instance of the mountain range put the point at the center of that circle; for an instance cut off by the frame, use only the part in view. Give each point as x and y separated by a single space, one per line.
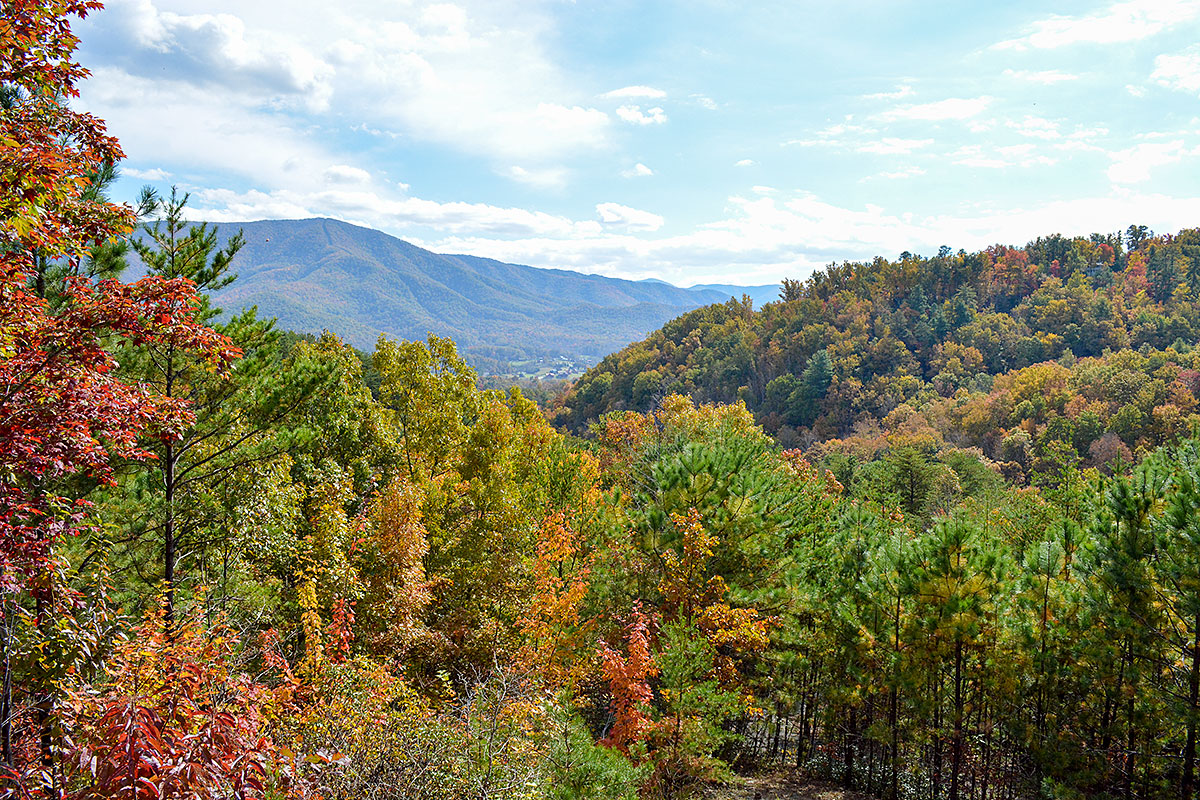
322 274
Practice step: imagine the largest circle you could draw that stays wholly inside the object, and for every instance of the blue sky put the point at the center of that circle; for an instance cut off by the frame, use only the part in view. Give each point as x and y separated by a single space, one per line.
694 141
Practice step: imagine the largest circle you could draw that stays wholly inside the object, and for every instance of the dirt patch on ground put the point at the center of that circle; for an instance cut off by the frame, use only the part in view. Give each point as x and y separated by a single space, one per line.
783 786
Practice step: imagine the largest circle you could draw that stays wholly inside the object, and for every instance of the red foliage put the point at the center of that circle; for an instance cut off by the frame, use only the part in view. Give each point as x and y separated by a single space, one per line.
50 148
1135 279
1012 274
63 412
340 634
629 681
1107 256
174 722
1190 379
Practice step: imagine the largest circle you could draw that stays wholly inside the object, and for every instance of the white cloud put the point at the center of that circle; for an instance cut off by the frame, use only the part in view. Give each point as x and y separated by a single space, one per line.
760 238
765 238
889 145
954 108
206 129
907 172
396 215
541 177
614 215
1035 127
632 92
1133 165
1045 76
862 140
901 91
973 156
487 82
211 50
1179 71
367 129
345 174
1024 155
745 162
1127 21
479 80
1074 217
635 116
1082 139
704 101
155 174
831 136
842 128
1016 155
638 170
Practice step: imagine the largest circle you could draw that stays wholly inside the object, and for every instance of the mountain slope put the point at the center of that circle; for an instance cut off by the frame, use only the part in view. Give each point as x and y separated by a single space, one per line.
1062 349
319 274
761 295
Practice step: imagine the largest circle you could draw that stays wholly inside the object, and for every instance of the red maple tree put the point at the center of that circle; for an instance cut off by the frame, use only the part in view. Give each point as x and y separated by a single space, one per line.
64 412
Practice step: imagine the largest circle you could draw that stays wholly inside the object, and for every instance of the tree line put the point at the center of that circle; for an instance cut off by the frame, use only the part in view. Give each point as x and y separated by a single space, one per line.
1066 350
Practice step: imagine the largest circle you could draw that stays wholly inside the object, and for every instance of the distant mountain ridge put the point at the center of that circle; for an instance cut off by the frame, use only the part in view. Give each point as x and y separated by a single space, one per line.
322 274
761 295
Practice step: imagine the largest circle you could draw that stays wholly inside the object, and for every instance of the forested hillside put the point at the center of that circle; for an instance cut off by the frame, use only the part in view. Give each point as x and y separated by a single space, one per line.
1065 350
234 563
322 274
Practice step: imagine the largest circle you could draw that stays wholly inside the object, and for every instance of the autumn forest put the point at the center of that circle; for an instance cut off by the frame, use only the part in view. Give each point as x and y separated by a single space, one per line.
926 528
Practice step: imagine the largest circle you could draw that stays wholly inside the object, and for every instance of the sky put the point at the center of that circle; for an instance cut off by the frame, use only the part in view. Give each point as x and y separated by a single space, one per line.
694 142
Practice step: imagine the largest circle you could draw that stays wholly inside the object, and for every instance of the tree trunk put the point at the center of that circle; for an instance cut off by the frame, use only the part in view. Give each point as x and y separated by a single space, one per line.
169 457
45 704
6 712
956 752
937 736
40 275
1130 745
849 744
1189 751
775 738
169 538
1108 718
894 704
987 758
1040 715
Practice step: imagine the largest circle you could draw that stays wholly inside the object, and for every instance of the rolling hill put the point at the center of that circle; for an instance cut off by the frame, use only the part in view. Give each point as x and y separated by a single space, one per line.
321 274
1076 348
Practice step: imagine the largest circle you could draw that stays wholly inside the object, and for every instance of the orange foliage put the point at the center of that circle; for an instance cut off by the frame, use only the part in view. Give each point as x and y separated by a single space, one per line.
621 435
392 556
628 678
340 633
690 594
556 634
173 721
